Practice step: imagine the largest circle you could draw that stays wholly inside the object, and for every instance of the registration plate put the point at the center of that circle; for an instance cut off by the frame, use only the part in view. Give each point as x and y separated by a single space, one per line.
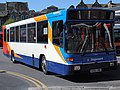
95 70
76 68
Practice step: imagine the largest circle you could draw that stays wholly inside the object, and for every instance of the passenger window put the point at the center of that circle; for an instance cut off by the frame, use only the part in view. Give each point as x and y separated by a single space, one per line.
7 35
17 34
31 33
42 32
23 33
12 34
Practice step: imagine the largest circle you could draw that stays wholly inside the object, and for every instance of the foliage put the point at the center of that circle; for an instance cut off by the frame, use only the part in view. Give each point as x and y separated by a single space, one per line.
9 21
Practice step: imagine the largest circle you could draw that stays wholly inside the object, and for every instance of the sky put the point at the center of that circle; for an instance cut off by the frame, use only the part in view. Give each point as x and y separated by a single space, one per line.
39 5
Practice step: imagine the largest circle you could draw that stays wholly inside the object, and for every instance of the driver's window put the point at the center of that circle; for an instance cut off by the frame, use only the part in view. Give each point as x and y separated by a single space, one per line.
57 27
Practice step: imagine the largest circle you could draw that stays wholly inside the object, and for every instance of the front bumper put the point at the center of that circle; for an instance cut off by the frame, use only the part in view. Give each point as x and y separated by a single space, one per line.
86 68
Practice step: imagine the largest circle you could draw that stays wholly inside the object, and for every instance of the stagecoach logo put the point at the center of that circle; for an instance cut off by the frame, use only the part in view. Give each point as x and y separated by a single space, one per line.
96 59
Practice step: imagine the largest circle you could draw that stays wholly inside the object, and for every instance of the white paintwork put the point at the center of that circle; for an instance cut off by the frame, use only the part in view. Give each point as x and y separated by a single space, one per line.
23 22
28 49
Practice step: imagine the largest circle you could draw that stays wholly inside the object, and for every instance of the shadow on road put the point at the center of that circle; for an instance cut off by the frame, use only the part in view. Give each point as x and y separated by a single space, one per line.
87 78
96 77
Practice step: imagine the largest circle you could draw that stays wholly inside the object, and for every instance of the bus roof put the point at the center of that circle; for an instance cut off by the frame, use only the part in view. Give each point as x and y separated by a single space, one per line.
22 22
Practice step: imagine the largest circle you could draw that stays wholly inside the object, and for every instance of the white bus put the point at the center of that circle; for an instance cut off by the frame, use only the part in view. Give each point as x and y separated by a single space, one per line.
64 42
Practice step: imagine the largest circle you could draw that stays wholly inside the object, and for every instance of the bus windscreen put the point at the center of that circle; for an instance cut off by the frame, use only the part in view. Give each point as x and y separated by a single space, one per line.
81 37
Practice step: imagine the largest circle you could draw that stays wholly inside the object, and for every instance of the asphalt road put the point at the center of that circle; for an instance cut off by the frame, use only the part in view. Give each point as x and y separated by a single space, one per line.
9 82
106 79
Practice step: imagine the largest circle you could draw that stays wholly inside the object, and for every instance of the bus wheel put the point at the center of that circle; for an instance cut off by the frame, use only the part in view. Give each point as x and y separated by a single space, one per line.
12 57
44 65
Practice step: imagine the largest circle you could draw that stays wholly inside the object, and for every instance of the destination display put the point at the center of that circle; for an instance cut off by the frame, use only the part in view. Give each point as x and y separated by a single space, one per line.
90 15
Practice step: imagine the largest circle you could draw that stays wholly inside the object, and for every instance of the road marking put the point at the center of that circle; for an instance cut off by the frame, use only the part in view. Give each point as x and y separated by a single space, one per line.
44 86
12 73
36 82
2 71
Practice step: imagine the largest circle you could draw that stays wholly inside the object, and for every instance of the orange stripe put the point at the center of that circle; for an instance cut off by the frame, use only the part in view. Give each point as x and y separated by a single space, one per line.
40 18
56 47
9 49
17 56
3 27
50 32
60 54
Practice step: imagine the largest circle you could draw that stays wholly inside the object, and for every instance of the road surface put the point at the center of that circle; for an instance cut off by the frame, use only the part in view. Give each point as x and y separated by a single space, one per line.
109 79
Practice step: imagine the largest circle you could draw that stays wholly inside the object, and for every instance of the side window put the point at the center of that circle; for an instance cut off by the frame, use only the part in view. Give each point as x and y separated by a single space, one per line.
42 32
31 33
12 34
5 35
23 33
17 33
57 27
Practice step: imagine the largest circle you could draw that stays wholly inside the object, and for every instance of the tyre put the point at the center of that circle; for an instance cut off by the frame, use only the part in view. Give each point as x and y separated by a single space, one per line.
12 57
44 65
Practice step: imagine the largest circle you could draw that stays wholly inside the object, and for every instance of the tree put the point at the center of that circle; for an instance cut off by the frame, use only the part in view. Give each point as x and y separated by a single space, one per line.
9 21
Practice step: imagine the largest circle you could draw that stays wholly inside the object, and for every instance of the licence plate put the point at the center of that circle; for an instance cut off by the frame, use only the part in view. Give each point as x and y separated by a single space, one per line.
76 68
95 70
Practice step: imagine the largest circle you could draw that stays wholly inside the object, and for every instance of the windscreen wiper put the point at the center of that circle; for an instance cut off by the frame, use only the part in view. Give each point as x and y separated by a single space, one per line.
84 46
84 50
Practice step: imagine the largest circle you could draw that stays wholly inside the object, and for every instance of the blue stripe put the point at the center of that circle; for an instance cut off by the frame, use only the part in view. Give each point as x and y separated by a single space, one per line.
60 68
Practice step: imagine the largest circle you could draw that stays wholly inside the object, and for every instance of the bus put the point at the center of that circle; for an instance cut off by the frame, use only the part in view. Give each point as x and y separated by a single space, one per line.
117 31
64 42
1 39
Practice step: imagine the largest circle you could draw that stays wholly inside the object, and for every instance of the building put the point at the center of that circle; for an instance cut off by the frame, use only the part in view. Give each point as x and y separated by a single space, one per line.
3 13
20 10
49 9
16 11
110 4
